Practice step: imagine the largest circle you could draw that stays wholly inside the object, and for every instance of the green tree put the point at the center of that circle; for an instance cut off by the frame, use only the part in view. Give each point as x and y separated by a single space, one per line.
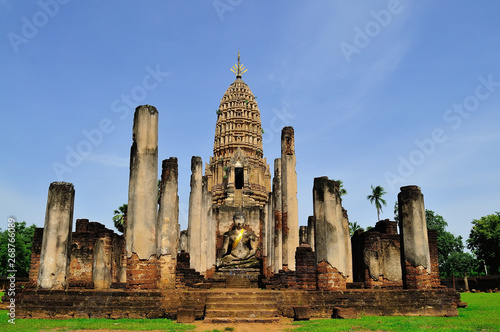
22 246
342 190
484 241
459 264
119 217
447 242
450 247
376 197
353 227
451 256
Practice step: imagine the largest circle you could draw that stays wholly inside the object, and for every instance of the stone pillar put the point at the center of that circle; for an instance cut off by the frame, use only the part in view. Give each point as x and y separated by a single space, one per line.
142 213
168 223
348 246
194 217
207 229
415 256
331 238
303 235
290 212
183 241
101 267
278 230
56 242
271 234
311 225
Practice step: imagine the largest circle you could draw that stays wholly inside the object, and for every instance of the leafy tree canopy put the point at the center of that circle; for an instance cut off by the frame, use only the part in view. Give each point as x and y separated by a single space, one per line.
484 241
119 217
353 227
22 248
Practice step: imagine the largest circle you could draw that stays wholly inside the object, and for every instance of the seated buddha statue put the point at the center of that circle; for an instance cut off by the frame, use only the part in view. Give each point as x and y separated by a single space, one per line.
239 246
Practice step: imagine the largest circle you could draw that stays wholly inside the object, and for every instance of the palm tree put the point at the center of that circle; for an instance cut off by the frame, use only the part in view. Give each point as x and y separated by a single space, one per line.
342 190
376 197
119 217
353 227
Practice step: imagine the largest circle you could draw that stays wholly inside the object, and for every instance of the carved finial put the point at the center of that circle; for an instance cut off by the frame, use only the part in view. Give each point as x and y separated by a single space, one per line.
238 68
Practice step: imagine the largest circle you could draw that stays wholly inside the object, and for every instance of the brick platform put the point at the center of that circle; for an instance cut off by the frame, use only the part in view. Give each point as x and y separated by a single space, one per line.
158 304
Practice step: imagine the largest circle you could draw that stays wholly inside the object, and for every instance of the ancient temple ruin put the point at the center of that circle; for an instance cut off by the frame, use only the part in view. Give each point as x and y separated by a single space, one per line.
242 238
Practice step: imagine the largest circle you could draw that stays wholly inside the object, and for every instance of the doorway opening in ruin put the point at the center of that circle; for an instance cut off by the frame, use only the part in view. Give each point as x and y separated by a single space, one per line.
238 178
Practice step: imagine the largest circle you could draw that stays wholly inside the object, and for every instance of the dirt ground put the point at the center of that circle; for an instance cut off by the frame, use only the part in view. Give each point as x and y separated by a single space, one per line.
285 324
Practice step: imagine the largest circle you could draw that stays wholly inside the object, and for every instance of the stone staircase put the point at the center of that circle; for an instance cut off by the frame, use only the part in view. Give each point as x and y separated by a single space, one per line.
241 306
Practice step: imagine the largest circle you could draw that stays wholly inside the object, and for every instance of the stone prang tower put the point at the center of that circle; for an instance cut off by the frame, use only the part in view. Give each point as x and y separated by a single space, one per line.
238 175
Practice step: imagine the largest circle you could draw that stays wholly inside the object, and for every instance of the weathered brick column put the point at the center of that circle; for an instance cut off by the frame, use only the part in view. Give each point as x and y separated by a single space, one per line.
311 226
270 235
142 264
207 231
278 227
433 252
347 243
211 229
168 223
194 217
332 233
56 243
290 212
330 278
415 256
303 235
36 249
103 261
305 263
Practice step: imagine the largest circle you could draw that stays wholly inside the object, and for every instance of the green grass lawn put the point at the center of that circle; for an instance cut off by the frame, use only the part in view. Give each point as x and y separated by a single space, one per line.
482 314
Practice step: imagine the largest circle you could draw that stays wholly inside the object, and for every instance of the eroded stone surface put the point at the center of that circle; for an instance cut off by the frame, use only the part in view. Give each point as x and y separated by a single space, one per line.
56 243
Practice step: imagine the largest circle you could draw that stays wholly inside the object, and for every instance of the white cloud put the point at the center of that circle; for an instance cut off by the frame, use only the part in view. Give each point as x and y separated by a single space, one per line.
108 159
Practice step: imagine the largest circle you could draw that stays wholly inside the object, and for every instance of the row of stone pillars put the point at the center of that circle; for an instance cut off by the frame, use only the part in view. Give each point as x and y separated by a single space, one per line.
151 231
328 233
281 231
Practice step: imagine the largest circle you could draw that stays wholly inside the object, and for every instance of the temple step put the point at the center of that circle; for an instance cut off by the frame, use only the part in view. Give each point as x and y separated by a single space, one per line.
241 306
241 320
242 278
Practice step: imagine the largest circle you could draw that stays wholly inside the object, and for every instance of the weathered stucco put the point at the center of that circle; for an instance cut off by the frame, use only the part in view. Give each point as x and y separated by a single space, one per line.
331 240
101 273
143 185
290 214
414 227
194 217
168 212
56 242
278 231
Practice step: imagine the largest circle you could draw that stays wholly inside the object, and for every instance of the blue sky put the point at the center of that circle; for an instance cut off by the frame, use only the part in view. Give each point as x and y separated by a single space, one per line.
386 93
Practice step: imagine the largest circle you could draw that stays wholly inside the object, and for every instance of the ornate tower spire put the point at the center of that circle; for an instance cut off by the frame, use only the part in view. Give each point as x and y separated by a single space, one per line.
238 174
238 68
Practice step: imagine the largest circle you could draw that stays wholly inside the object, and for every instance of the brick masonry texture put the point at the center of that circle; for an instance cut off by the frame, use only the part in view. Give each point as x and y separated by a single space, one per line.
33 303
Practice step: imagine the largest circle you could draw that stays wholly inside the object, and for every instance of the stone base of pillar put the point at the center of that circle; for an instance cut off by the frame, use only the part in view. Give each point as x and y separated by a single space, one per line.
167 265
417 277
329 278
142 274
